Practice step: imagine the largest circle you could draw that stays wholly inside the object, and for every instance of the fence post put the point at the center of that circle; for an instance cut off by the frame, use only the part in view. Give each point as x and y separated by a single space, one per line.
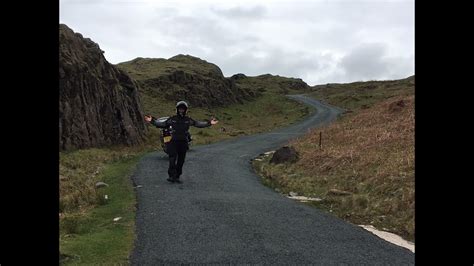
320 140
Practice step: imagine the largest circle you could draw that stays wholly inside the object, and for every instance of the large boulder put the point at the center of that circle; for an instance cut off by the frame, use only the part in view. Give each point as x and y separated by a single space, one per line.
284 154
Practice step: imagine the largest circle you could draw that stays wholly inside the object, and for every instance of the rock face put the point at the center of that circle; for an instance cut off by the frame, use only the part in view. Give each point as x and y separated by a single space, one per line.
185 77
99 104
284 154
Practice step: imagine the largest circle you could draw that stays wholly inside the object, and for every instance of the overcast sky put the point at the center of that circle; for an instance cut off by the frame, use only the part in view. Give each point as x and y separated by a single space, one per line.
318 41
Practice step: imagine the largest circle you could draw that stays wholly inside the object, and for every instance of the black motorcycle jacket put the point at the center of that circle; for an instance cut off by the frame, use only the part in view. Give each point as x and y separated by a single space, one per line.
180 126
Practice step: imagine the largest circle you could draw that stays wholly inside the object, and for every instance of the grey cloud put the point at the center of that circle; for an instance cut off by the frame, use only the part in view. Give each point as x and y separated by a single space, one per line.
194 30
319 42
370 61
365 62
254 12
400 67
274 61
203 34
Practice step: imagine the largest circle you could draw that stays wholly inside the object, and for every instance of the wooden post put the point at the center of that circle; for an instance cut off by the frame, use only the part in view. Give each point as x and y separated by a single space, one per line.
320 140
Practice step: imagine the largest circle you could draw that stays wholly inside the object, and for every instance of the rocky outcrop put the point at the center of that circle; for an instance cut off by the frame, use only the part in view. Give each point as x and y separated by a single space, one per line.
185 77
99 104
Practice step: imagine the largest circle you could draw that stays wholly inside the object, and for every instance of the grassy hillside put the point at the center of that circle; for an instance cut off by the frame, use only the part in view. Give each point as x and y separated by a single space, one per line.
368 154
184 77
150 68
360 95
272 84
266 109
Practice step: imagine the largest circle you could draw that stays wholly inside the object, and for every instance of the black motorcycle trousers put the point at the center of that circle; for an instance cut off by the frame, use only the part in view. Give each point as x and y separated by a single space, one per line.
177 153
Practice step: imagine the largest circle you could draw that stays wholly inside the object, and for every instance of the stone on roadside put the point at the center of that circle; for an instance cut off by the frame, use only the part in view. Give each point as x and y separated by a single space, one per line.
101 184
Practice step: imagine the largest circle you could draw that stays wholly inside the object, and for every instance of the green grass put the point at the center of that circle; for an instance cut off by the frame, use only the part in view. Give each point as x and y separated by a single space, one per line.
82 169
92 237
266 113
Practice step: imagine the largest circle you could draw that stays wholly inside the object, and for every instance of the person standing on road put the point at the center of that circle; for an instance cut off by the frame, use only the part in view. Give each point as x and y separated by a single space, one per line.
178 145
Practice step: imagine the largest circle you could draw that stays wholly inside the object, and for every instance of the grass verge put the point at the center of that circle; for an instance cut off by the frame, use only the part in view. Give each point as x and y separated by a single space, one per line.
91 236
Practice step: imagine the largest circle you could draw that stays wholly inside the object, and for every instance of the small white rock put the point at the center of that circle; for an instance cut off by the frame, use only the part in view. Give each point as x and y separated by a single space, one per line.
304 199
117 219
101 184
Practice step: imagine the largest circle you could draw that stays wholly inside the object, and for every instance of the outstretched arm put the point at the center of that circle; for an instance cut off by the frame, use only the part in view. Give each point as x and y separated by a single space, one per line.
152 120
206 123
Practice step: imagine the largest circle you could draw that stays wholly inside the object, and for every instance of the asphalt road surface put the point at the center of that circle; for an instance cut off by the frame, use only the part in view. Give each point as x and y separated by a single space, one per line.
222 214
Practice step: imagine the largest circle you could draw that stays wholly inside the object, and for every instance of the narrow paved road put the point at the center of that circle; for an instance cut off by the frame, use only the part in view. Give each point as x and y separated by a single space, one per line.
222 214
